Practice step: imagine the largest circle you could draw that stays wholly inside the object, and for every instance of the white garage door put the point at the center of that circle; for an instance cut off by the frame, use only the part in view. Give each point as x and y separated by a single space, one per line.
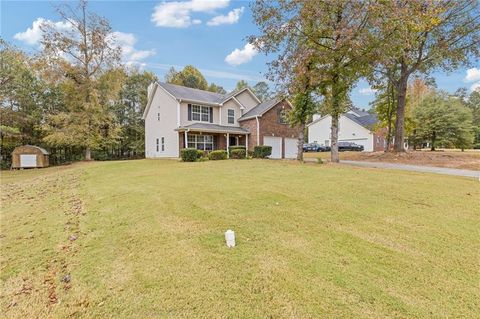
276 144
291 147
367 146
28 160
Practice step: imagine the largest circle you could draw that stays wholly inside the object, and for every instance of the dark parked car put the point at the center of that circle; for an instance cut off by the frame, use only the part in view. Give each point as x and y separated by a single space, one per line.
315 147
349 146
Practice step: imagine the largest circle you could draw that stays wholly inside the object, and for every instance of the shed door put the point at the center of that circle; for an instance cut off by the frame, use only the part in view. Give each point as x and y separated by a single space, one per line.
276 144
291 148
28 160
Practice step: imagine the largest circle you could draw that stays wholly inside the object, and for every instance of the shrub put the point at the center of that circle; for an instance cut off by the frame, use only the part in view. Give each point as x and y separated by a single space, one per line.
238 153
262 151
189 154
235 147
200 154
217 155
319 161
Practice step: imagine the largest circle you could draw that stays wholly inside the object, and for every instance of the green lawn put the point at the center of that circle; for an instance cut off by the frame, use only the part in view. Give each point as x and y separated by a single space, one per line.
318 241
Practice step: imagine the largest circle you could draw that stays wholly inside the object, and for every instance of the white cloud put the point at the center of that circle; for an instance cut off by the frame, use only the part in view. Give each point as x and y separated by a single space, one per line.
177 14
231 18
127 42
475 86
367 91
241 56
33 35
472 75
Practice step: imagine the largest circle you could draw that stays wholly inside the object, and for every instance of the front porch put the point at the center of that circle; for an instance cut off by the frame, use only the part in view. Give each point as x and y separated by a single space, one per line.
212 138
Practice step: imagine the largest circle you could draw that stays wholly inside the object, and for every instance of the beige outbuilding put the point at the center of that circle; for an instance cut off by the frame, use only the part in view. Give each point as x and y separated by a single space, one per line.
29 156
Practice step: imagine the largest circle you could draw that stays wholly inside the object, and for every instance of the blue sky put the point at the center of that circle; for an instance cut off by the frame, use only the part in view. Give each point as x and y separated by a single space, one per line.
208 34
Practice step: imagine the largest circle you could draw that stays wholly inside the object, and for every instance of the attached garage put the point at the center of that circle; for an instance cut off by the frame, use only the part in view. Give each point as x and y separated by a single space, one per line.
291 147
276 144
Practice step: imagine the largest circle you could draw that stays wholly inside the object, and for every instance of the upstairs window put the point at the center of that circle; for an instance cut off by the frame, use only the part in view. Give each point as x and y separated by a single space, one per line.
283 116
231 116
200 113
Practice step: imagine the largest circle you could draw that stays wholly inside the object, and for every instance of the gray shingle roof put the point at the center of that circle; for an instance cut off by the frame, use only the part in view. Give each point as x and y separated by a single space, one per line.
260 109
214 128
186 93
366 121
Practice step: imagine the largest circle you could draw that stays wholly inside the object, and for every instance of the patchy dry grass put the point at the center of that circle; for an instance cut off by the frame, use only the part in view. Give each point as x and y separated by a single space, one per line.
442 158
313 241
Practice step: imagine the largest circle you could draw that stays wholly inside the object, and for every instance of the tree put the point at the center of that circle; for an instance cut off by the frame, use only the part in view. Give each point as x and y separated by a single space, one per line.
473 103
262 91
422 36
129 108
89 50
441 119
328 42
190 77
241 84
385 106
216 88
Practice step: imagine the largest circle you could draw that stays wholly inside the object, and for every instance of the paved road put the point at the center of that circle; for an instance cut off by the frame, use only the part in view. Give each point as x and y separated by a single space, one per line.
417 168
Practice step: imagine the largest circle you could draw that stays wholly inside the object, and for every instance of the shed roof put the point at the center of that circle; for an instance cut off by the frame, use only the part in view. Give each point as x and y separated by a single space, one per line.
44 151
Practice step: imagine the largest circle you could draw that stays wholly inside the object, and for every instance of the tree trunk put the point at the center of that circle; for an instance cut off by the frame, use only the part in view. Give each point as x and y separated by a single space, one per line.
88 154
434 137
301 138
400 120
334 157
390 99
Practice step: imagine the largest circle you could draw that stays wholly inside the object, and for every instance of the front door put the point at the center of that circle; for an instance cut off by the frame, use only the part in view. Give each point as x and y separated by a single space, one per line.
232 141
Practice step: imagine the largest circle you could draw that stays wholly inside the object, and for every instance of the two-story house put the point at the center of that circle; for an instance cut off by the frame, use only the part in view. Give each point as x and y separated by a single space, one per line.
177 117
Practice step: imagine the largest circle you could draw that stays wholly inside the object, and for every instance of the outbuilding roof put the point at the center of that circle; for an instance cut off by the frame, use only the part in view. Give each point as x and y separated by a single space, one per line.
44 151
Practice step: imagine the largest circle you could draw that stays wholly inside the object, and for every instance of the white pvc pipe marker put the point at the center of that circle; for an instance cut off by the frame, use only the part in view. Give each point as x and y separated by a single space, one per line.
230 238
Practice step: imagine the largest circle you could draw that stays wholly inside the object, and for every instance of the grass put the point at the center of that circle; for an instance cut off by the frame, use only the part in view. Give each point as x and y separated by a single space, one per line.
312 241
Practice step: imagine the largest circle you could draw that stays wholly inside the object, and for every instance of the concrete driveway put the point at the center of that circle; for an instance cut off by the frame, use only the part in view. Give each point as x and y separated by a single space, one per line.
417 168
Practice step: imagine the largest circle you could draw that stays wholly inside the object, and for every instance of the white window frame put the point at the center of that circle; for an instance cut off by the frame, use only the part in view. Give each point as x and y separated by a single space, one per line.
163 144
201 113
200 142
231 117
158 117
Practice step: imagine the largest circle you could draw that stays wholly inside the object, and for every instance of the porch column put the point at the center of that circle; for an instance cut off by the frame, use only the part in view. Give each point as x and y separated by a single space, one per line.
186 139
246 145
228 144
